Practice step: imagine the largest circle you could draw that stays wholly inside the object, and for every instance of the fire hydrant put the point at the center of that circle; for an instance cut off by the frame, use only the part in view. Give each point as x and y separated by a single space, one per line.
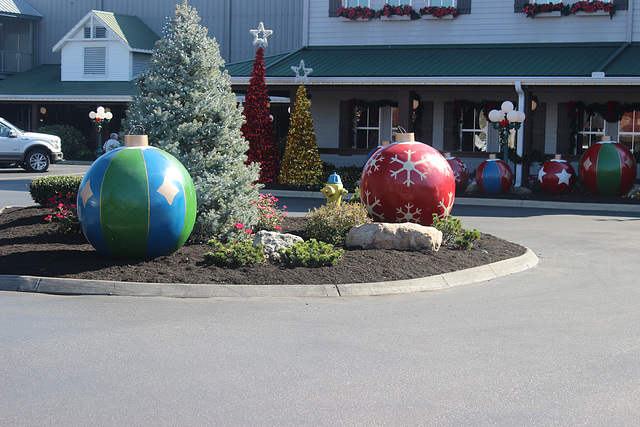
334 191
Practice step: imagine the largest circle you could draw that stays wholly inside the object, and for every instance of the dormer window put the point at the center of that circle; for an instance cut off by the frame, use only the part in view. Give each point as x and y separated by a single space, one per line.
98 32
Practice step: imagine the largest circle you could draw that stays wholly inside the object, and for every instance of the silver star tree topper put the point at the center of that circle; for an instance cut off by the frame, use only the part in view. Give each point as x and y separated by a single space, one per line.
261 41
304 78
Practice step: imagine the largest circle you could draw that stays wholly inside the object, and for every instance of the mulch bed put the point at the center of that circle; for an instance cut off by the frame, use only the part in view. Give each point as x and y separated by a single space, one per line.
29 246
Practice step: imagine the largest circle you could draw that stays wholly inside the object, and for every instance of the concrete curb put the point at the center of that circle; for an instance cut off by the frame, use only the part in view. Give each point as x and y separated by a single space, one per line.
49 285
514 203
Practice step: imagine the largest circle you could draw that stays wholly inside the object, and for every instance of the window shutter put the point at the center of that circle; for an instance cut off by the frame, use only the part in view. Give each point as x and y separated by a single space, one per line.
448 141
95 60
87 32
343 125
334 5
464 7
563 130
426 130
140 62
101 32
621 4
538 125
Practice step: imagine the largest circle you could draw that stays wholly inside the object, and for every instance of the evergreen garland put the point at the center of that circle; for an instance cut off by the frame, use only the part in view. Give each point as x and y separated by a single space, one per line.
258 128
301 164
186 106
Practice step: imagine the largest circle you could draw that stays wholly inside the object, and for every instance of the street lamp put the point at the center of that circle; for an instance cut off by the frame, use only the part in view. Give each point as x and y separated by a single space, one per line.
100 117
506 119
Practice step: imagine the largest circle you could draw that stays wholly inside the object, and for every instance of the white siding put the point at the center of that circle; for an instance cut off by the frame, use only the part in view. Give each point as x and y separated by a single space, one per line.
118 61
490 21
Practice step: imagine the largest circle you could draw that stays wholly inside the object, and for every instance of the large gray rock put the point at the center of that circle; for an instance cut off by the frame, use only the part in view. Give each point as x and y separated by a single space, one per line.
404 236
273 241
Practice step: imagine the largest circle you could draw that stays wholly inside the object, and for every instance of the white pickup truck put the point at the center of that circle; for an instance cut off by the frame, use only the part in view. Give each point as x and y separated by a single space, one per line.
30 150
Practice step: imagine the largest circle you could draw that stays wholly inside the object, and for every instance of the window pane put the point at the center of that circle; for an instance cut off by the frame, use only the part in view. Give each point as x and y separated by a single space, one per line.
627 141
468 119
597 123
361 139
394 118
445 3
480 141
354 3
374 117
373 138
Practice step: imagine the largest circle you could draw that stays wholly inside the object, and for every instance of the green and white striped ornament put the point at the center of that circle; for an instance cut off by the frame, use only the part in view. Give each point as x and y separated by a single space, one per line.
137 202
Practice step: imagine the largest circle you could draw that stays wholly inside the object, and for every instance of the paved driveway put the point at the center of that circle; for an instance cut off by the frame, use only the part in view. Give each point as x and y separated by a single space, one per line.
558 344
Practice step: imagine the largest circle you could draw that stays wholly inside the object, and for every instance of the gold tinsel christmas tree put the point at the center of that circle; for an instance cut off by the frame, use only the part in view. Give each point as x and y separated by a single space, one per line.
301 164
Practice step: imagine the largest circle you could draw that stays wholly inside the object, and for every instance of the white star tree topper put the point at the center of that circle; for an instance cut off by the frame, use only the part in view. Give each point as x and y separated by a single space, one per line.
304 78
261 41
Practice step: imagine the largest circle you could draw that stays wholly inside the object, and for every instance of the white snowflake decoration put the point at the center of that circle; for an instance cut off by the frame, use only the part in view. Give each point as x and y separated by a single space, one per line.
446 207
409 166
370 206
409 216
374 163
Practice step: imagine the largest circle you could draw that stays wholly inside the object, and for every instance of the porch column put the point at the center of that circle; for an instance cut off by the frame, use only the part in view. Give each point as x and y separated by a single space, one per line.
528 135
405 110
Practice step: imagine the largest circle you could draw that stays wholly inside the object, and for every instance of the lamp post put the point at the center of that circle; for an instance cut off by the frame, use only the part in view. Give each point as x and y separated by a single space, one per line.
100 117
506 119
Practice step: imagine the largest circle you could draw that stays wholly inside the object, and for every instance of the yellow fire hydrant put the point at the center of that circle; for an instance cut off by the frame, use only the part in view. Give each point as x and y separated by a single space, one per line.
334 191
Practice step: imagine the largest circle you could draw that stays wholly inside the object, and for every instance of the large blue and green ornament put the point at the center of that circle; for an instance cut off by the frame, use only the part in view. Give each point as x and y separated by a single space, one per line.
608 168
137 202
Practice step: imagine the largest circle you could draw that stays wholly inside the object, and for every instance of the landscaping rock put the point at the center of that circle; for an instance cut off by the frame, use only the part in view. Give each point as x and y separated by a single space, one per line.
521 192
472 188
273 241
404 236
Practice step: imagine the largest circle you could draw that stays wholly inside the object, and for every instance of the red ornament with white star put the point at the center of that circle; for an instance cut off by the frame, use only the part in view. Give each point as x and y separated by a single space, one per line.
557 177
460 173
407 182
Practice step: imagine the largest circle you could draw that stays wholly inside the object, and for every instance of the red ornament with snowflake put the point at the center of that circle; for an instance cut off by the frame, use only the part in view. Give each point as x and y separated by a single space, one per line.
557 177
407 182
460 173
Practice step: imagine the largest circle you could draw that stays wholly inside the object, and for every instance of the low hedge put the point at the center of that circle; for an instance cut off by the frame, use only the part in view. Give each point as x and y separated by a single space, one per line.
45 189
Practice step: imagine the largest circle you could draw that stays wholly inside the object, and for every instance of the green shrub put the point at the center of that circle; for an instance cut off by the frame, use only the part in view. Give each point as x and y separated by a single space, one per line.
356 196
450 227
331 223
465 241
72 139
45 190
311 253
235 253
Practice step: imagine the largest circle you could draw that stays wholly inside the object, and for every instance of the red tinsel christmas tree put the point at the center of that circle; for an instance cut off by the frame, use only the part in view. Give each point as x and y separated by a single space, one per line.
258 129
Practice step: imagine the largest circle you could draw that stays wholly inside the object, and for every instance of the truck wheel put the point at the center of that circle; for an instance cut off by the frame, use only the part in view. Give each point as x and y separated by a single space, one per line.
36 161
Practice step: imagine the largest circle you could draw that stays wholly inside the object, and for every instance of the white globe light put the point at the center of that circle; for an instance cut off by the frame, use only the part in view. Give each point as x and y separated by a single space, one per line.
521 116
496 116
108 115
512 116
100 115
100 110
507 106
92 115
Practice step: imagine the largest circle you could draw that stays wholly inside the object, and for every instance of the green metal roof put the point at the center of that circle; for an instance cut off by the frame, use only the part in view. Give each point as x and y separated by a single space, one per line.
19 9
526 60
130 28
44 83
